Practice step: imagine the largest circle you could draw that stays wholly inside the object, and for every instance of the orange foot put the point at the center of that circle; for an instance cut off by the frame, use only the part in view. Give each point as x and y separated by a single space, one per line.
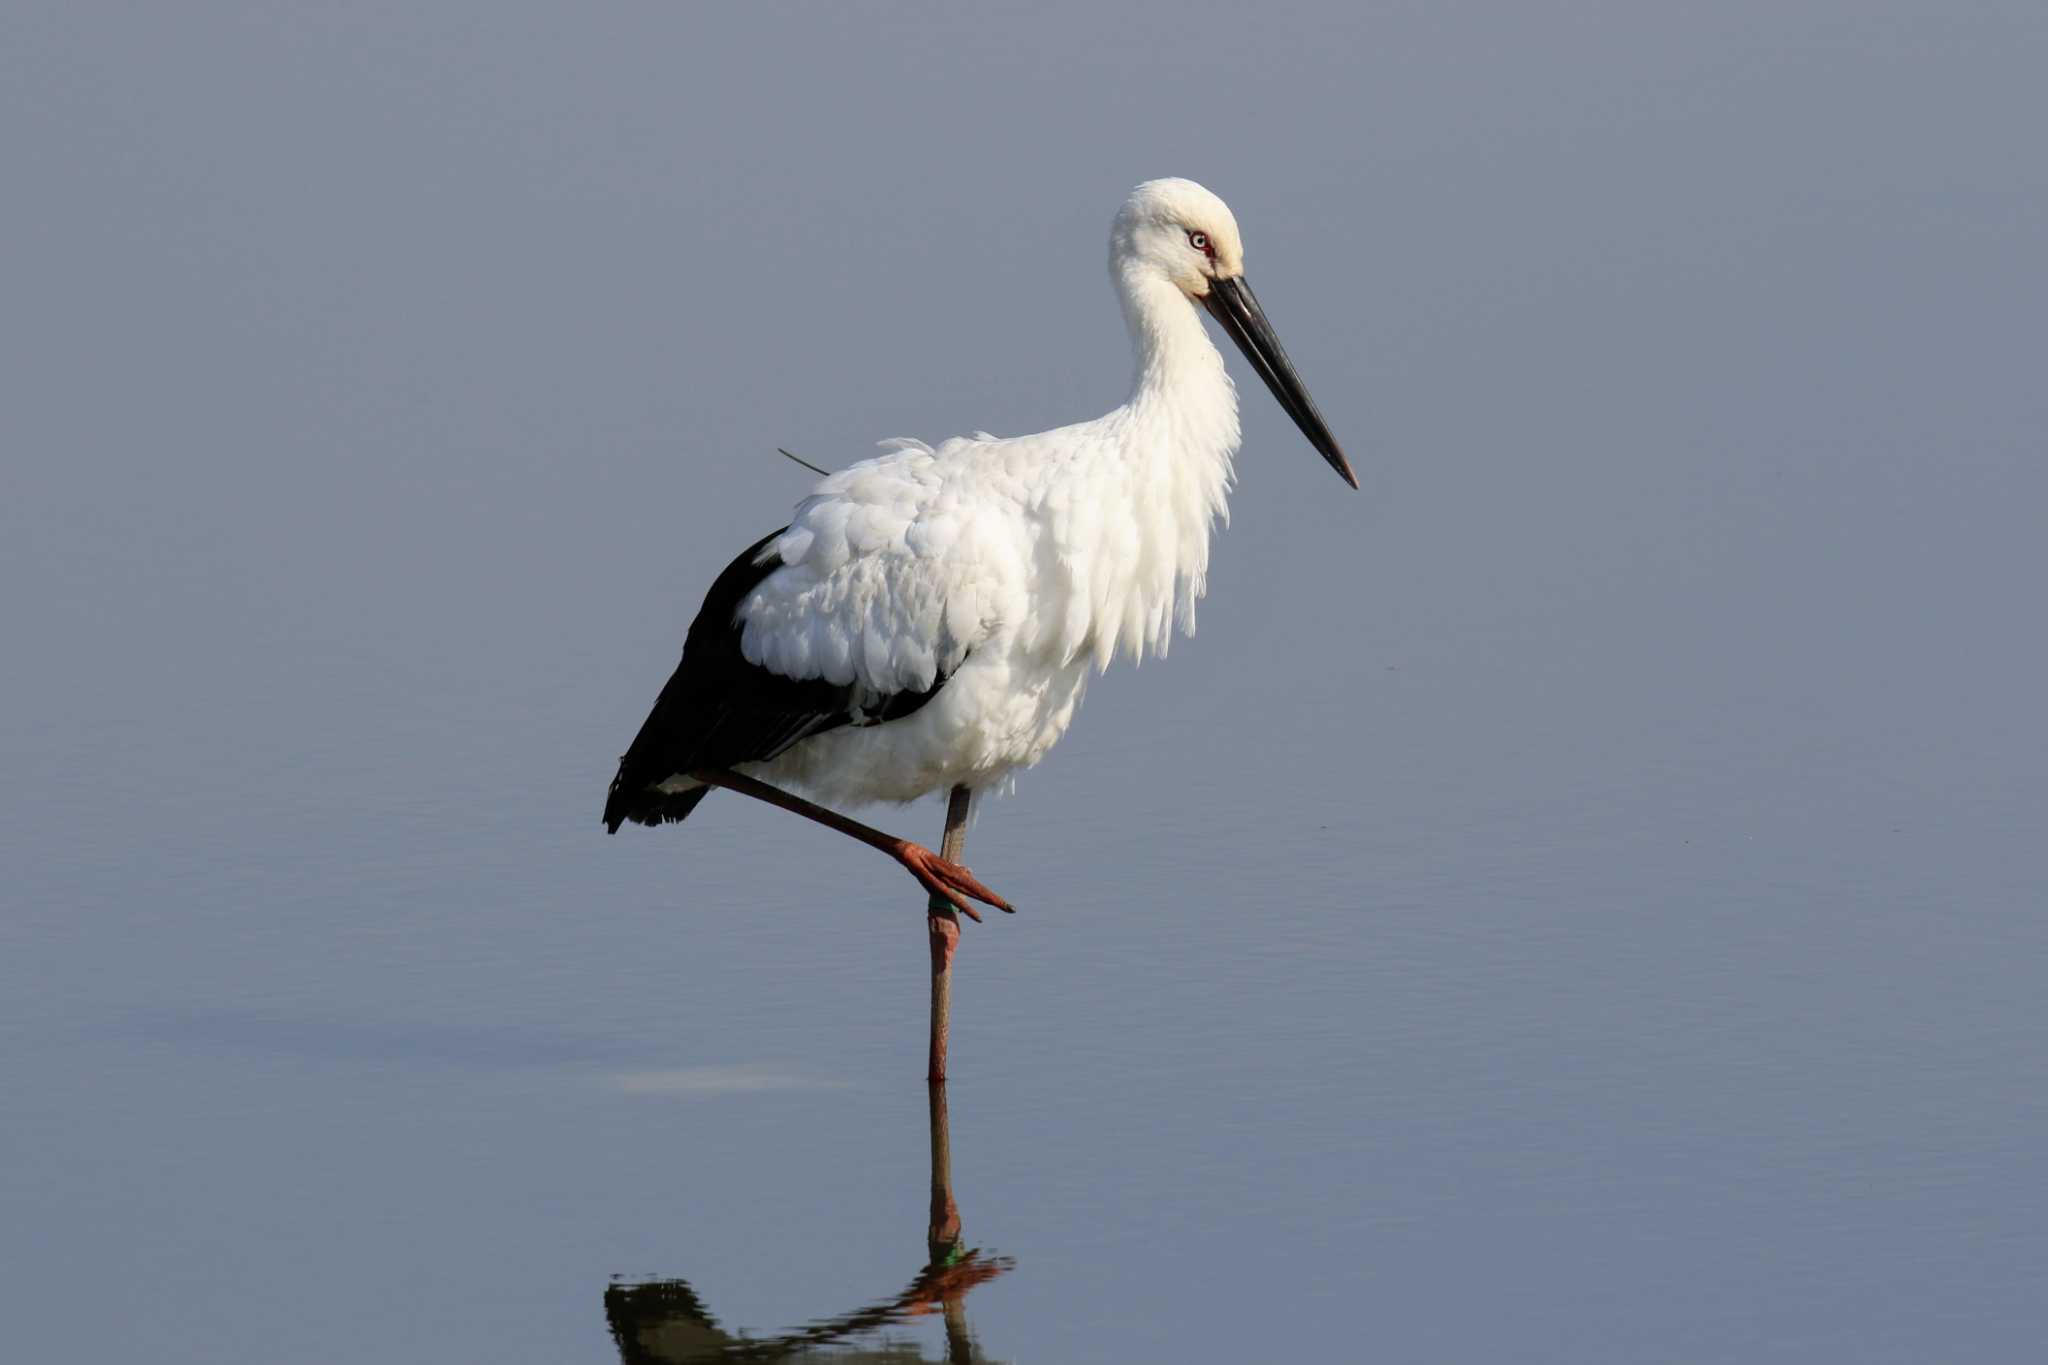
948 881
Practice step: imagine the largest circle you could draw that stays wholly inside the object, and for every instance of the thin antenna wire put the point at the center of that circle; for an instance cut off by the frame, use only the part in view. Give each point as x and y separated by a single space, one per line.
802 461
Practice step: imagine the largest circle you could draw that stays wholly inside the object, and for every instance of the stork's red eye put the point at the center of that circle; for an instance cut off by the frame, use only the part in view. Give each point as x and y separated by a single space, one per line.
1200 242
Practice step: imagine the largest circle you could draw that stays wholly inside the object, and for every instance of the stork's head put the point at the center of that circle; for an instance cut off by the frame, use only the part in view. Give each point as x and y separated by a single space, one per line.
1178 231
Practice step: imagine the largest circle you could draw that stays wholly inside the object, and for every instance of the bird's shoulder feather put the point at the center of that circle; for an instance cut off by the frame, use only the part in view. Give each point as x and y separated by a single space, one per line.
890 571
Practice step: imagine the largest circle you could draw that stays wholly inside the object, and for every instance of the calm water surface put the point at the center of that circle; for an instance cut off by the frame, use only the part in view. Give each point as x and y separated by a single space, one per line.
1716 1077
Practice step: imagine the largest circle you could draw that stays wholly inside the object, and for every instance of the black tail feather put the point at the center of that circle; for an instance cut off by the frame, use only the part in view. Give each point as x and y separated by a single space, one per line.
649 807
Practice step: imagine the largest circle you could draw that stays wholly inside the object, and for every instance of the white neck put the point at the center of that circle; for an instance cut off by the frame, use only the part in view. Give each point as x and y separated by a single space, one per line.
1176 361
1175 437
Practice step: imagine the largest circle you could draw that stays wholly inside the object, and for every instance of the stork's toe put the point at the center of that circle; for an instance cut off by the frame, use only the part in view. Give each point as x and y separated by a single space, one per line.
948 880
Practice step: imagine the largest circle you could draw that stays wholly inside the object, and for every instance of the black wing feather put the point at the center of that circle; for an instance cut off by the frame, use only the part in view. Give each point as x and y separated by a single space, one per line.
719 710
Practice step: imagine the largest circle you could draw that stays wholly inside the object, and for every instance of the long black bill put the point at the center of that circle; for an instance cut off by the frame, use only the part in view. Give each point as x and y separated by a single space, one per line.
1232 303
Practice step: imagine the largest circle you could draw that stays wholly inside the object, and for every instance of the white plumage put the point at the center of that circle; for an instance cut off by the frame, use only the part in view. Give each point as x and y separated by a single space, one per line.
930 617
1015 565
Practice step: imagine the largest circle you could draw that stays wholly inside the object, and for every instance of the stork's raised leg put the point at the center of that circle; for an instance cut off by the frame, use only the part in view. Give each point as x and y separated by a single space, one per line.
940 876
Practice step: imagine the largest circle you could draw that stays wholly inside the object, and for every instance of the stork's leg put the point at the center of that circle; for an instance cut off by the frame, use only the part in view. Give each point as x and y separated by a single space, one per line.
943 927
940 876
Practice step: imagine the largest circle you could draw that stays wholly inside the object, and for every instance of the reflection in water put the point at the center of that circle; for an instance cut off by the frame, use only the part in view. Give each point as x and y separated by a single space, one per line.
663 1322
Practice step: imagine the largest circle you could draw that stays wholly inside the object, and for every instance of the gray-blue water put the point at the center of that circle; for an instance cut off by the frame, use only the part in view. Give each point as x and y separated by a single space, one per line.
1581 899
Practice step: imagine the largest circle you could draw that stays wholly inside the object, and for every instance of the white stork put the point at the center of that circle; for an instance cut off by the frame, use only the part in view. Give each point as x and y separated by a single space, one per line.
929 619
